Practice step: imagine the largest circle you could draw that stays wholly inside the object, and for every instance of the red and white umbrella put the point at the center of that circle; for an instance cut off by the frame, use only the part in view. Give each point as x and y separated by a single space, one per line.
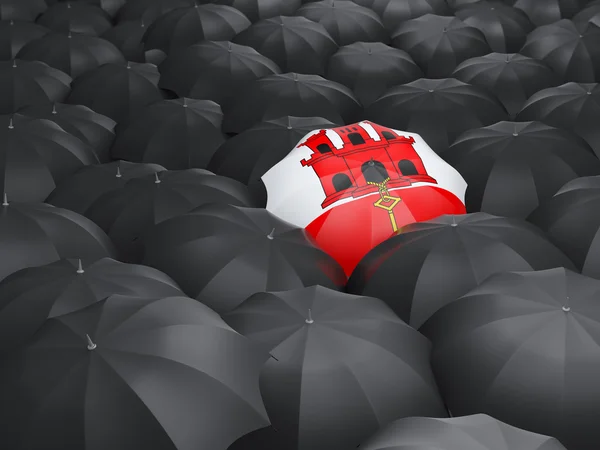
353 187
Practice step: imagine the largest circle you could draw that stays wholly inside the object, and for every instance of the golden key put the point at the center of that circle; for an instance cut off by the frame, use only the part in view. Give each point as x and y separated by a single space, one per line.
386 201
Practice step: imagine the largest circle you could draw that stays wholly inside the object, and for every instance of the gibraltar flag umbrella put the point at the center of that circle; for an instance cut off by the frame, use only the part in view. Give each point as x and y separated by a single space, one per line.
353 187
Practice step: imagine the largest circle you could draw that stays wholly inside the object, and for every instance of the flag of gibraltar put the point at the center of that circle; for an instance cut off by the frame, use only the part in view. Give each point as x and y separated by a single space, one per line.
355 186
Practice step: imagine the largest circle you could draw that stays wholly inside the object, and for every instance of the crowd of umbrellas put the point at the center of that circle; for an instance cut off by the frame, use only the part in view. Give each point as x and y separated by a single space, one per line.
149 299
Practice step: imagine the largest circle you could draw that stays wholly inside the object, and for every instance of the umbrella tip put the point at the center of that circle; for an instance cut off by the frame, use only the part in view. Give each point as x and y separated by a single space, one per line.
589 92
128 65
10 123
156 179
566 308
185 105
54 108
310 319
271 234
5 200
12 22
453 224
14 63
118 175
91 345
229 47
142 23
79 267
295 76
69 35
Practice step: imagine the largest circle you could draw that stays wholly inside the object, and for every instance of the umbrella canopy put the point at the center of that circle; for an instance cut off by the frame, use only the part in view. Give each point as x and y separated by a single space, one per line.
35 155
505 28
24 83
590 12
110 7
512 167
31 296
75 17
127 37
127 213
295 44
215 71
572 106
476 432
14 35
73 53
92 128
438 43
512 78
438 110
444 258
550 11
394 13
34 234
371 68
177 134
78 191
221 254
26 10
341 366
522 348
571 50
133 86
131 371
149 10
291 94
183 27
580 183
256 10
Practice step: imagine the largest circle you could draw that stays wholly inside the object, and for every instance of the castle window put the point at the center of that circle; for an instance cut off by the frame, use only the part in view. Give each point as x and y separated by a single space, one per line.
374 171
407 167
356 139
341 182
388 135
324 148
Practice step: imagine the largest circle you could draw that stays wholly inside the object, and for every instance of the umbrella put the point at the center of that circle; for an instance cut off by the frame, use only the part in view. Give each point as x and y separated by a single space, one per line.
394 13
183 27
24 83
438 44
149 10
438 110
295 44
580 183
110 7
512 167
131 372
256 10
27 10
512 78
80 121
177 134
78 191
291 94
132 87
37 233
345 21
522 347
126 214
444 258
505 28
221 254
572 106
14 35
127 37
550 11
31 296
369 69
35 155
75 17
590 12
355 186
570 50
476 432
341 366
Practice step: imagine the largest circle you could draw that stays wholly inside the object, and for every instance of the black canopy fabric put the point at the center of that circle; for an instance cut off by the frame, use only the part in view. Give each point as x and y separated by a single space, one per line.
580 183
158 374
256 10
26 10
75 17
394 13
513 167
149 10
336 359
127 37
110 7
15 34
590 12
442 259
550 11
522 347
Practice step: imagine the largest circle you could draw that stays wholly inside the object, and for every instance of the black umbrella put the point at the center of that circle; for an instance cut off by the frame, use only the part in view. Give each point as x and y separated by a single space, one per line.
256 10
580 183
149 10
14 35
215 71
132 87
80 121
345 21
292 94
550 11
183 27
394 13
75 17
78 191
127 37
131 372
295 44
571 50
476 432
438 110
24 83
438 43
110 7
523 348
512 167
31 296
430 264
572 106
177 134
35 155
505 28
26 10
221 254
512 78
590 12
126 214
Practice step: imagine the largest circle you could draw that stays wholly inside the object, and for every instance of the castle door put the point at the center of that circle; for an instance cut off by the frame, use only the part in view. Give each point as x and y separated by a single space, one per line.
407 167
374 171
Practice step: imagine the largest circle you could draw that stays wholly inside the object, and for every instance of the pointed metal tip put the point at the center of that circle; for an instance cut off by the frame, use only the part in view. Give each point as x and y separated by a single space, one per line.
5 200
128 65
185 104
54 109
12 22
14 63
156 179
310 319
295 76
91 345
271 234
80 267
453 224
118 175
10 124
229 46
566 308
69 35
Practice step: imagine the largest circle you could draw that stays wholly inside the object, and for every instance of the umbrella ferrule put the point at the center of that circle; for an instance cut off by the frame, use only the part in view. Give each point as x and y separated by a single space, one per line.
91 345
